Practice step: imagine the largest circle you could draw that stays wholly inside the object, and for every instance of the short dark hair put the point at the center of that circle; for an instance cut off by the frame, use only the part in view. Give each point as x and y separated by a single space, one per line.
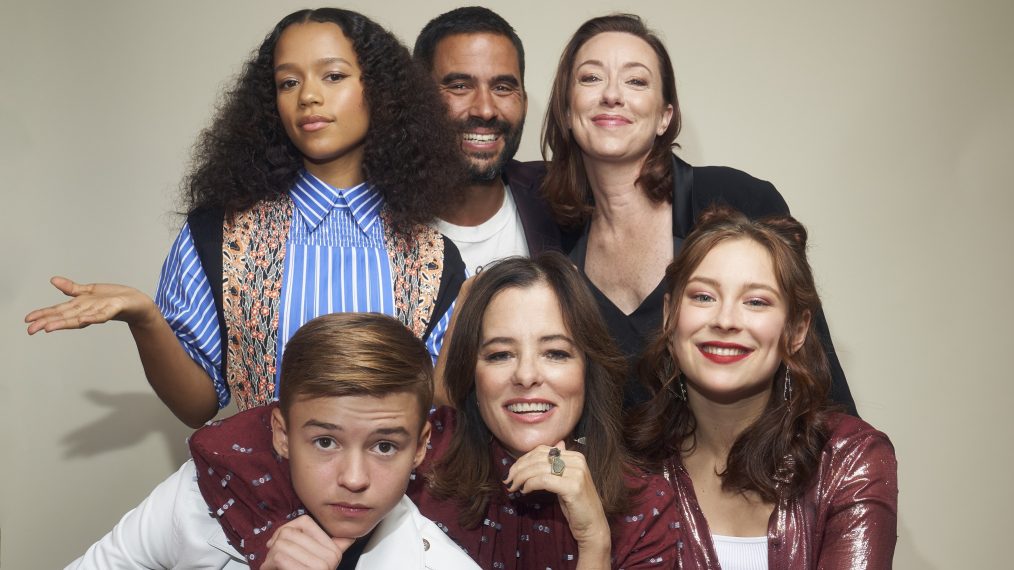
472 487
466 20
355 354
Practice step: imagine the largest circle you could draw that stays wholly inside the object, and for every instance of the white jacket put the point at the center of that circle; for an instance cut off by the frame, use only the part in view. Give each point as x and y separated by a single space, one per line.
173 529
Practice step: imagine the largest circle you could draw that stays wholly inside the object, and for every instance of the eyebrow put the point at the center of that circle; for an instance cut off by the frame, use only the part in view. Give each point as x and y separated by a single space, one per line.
509 79
715 284
509 340
624 66
319 62
398 430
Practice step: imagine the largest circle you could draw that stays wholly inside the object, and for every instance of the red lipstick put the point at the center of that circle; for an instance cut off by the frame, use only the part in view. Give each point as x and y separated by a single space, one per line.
723 352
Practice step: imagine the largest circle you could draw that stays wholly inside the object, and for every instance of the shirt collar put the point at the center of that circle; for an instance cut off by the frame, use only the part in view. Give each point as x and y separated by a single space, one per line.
314 199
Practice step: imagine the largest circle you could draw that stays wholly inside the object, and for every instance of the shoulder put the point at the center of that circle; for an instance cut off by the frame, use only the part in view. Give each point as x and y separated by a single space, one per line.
525 176
235 435
847 432
748 194
405 534
857 453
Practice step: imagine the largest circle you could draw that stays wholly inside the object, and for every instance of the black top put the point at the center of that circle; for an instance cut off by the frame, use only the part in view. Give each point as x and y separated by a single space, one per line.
694 189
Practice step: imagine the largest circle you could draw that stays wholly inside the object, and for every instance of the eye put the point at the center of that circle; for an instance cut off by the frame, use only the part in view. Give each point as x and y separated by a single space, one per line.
386 448
499 356
335 76
588 78
287 84
456 86
558 354
504 89
325 443
758 302
637 82
701 297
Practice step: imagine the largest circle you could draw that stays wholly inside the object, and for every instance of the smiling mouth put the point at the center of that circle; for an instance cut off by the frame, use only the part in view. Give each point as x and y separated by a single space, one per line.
480 138
530 407
724 350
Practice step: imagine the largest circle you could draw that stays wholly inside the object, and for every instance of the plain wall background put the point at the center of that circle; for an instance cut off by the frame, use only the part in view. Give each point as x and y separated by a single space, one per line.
886 126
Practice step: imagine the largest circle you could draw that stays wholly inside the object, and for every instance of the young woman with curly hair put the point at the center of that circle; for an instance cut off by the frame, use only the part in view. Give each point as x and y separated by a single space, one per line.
765 473
309 194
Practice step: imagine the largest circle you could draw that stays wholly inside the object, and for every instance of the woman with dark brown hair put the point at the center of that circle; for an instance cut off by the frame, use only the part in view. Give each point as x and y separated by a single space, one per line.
765 474
528 469
625 200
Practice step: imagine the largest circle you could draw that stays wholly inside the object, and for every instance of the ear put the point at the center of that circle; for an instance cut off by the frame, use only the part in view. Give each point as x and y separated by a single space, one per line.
279 435
424 440
799 335
666 118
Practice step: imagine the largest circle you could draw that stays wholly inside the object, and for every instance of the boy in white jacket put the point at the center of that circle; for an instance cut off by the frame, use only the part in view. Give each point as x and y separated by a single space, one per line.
314 481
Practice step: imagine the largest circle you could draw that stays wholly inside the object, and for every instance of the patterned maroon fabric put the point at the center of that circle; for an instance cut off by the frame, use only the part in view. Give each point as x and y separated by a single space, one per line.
526 532
247 486
846 519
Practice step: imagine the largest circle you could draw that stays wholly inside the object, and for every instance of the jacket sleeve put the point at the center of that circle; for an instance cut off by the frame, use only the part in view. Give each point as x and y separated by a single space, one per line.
149 536
647 536
862 515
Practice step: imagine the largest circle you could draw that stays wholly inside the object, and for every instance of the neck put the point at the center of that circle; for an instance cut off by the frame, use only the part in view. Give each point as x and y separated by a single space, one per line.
618 199
719 424
476 203
344 172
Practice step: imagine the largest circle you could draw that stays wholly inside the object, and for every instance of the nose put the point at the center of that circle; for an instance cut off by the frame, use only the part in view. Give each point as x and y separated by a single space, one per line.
482 105
527 373
309 94
727 316
353 473
612 96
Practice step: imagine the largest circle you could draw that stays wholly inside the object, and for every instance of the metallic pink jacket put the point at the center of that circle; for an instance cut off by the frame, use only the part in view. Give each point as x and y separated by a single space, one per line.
846 519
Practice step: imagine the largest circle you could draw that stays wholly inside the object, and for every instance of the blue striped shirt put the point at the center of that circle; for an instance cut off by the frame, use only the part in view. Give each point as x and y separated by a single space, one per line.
335 261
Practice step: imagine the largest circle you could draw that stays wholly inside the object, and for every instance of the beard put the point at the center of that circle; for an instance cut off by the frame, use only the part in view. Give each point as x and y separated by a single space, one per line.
487 166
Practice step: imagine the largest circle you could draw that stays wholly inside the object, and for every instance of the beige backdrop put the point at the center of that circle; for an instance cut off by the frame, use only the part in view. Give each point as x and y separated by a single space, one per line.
886 126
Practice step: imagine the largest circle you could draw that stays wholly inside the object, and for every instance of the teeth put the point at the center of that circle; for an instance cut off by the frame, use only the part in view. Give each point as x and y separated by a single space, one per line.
529 407
476 137
722 351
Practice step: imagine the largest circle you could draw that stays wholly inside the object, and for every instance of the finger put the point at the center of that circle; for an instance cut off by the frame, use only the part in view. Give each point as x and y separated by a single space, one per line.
300 545
69 287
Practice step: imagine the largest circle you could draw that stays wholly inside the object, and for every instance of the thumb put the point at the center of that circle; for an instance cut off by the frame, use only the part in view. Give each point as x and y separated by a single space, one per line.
66 286
562 445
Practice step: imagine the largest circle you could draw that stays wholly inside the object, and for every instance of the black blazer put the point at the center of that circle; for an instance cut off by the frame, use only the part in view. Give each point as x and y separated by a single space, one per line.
694 189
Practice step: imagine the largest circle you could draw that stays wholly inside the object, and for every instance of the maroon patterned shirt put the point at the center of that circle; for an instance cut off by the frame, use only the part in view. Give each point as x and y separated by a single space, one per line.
531 532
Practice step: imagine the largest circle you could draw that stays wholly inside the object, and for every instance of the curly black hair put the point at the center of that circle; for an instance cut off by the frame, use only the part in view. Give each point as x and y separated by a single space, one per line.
410 153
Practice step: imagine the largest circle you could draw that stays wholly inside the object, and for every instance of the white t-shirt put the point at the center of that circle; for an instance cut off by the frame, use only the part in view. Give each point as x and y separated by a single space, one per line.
741 553
498 237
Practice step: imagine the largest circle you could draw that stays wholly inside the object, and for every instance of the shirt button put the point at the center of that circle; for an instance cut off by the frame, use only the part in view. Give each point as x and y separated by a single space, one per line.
426 544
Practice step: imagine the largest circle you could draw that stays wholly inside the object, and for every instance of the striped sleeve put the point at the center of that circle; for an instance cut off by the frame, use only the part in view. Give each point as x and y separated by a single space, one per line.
435 341
185 299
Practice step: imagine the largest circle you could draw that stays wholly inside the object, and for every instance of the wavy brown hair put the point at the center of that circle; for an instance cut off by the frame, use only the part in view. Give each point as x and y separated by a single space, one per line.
777 454
410 152
566 184
472 487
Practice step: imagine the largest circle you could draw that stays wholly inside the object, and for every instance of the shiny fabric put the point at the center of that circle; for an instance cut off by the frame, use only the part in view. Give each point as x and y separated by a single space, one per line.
530 532
847 519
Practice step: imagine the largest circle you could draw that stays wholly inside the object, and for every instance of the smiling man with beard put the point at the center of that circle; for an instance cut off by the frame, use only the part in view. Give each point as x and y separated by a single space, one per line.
478 62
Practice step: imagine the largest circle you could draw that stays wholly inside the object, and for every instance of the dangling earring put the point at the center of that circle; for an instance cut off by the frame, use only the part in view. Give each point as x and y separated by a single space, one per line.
787 385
